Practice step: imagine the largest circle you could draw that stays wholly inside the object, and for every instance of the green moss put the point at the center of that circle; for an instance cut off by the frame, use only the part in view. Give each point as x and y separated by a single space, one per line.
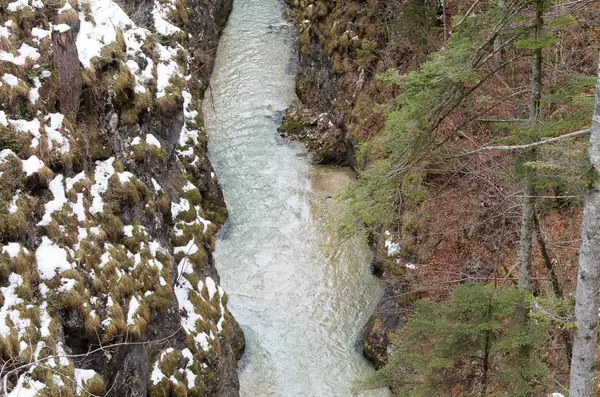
163 204
113 227
140 104
10 139
93 387
121 195
169 104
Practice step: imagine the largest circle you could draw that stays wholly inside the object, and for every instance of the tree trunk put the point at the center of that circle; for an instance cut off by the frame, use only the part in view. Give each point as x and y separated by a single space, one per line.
498 43
525 244
68 69
588 280
536 67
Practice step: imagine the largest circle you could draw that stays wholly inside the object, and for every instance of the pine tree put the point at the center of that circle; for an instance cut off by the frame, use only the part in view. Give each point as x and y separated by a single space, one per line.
468 347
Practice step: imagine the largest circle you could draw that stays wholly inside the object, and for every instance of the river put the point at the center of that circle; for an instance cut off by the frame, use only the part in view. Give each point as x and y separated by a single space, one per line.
301 297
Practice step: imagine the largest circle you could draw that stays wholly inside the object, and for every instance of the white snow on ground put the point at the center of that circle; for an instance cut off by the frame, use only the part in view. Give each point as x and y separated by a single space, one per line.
12 250
392 247
32 127
151 140
17 5
134 305
58 192
50 259
182 206
70 182
25 51
67 284
54 123
190 249
160 15
10 79
104 170
164 72
10 299
26 387
45 320
32 165
12 207
3 118
39 34
92 37
82 376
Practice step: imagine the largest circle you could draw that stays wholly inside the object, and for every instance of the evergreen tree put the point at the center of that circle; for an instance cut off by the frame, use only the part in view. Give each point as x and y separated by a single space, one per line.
467 347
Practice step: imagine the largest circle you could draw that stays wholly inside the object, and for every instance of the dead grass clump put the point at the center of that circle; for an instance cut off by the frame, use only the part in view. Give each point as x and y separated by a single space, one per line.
169 104
140 104
15 99
68 17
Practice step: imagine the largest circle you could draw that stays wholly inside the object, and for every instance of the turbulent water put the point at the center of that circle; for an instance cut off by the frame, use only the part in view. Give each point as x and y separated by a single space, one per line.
301 298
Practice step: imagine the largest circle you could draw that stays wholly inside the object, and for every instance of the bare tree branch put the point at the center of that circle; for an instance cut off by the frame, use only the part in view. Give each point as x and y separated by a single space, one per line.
528 145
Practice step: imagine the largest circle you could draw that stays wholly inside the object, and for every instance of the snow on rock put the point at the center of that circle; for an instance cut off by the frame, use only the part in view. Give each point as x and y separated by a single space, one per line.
32 165
211 286
156 185
82 376
164 73
392 247
17 5
151 140
32 127
3 118
134 305
26 387
104 170
58 191
12 207
182 206
54 123
50 259
108 16
61 28
12 250
10 79
187 100
190 249
160 15
25 51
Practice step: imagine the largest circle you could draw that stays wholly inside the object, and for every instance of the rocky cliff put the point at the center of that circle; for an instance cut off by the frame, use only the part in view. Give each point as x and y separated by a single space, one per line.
108 202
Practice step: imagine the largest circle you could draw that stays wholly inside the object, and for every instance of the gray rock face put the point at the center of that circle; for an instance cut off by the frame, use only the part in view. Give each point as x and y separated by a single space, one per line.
315 121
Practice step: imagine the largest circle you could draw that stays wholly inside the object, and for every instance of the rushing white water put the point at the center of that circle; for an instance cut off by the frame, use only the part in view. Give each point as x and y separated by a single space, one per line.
301 300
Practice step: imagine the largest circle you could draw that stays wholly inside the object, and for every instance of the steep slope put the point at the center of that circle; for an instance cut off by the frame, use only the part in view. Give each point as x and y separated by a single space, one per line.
454 218
108 202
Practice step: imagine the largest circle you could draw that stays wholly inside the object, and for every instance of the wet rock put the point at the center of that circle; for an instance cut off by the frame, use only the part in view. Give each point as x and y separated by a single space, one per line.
321 132
381 327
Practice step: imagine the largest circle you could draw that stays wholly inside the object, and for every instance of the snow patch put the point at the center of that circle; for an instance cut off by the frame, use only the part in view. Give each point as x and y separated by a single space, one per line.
50 259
